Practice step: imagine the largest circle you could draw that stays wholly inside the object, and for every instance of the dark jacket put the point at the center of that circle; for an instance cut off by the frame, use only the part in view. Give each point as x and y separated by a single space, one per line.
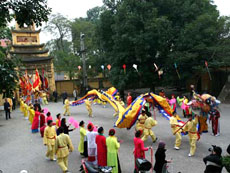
6 106
65 129
213 163
160 160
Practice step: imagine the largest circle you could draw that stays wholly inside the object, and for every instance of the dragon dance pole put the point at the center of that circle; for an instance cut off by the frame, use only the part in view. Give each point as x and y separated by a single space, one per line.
180 127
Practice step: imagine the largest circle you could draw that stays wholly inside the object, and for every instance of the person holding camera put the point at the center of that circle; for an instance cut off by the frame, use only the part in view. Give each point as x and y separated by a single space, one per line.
213 161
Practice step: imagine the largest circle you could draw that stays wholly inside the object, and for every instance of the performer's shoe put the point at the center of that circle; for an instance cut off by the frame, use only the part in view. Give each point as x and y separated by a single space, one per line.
176 148
53 159
217 134
47 158
189 155
67 171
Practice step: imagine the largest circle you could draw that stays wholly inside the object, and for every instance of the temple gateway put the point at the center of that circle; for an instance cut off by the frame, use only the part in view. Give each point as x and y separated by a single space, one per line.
33 55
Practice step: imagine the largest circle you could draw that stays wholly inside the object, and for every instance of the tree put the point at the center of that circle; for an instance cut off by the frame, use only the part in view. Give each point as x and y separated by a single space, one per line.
185 32
59 27
24 12
8 75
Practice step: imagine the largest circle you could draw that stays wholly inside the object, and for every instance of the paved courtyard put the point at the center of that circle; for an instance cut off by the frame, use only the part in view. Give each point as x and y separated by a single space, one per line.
22 150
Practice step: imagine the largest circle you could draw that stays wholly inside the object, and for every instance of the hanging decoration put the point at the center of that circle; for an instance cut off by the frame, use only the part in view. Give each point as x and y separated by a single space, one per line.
124 67
135 67
90 67
109 67
175 65
160 72
206 65
102 67
79 67
156 68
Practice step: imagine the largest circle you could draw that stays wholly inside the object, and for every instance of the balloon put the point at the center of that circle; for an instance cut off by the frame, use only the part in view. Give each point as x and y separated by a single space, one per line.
79 67
71 120
108 66
45 110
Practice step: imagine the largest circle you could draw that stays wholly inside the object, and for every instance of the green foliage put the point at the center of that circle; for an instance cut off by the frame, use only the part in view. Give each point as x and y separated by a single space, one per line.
8 75
226 162
24 11
186 32
5 33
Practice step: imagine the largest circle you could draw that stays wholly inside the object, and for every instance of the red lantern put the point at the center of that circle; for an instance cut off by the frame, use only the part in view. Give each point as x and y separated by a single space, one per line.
124 67
109 67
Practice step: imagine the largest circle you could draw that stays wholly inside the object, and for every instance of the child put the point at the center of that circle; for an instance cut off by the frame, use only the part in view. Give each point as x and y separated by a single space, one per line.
58 121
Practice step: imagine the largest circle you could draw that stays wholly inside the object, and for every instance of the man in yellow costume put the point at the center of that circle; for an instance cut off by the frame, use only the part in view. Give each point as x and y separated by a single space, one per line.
190 127
21 104
44 98
141 121
66 107
63 145
175 130
88 107
25 108
31 113
49 140
149 123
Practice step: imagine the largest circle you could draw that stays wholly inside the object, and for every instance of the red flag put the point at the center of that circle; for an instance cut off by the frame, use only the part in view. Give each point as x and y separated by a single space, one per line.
37 81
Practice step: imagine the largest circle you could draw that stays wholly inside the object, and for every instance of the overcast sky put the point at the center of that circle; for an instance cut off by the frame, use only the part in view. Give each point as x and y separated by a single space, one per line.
78 8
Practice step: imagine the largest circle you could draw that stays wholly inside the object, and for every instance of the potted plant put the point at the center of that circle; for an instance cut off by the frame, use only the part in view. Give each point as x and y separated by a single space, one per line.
226 162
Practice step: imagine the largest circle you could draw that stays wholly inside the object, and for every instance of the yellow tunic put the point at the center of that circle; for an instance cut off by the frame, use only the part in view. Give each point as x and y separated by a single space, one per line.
49 135
82 137
44 99
31 115
21 105
141 122
88 107
63 145
25 110
175 126
149 123
49 140
66 106
192 134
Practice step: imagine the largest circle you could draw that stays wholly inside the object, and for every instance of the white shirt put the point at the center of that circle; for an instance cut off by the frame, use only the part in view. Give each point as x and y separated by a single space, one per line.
91 137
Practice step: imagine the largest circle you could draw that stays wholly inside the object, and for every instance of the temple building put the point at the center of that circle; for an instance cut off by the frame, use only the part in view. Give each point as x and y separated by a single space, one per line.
33 55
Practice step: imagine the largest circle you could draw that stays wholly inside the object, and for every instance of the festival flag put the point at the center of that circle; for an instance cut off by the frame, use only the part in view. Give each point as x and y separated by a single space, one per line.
206 65
37 81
